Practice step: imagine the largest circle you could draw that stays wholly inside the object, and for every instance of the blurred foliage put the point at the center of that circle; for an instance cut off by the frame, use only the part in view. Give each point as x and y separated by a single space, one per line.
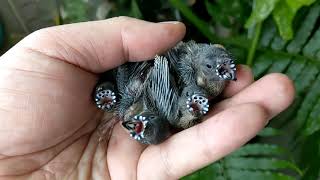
21 17
270 35
1 34
283 12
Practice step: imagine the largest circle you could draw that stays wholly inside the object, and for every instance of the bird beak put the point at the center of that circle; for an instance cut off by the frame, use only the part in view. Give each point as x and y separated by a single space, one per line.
226 71
233 75
136 126
129 125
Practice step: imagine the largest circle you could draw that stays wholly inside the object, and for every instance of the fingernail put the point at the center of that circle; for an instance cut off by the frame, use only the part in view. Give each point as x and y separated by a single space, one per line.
170 22
266 123
246 67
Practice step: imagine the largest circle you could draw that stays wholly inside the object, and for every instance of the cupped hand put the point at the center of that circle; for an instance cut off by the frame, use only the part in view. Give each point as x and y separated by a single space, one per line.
49 122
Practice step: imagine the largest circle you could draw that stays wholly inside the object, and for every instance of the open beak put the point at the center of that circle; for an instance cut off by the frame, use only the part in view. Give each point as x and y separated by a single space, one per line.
227 71
136 127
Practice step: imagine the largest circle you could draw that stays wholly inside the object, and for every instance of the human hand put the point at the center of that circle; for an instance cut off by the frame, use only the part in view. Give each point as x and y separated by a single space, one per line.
48 119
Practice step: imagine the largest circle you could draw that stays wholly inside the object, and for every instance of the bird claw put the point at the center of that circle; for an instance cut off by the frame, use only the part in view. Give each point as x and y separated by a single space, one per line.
198 104
105 99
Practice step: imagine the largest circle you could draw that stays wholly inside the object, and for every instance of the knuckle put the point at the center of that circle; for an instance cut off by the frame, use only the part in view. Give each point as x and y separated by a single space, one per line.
39 34
121 19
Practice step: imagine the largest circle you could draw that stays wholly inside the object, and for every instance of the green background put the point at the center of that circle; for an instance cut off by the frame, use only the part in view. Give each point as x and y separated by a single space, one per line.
268 35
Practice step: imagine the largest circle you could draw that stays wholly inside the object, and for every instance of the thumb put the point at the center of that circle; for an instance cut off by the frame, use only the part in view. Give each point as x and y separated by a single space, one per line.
100 45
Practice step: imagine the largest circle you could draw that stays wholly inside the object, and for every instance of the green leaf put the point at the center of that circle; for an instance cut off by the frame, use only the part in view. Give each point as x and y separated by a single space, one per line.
268 131
135 11
306 78
295 68
284 13
313 45
281 65
259 164
313 122
283 16
262 64
295 5
259 149
310 100
299 59
305 30
261 10
278 43
269 30
254 175
74 11
311 156
254 44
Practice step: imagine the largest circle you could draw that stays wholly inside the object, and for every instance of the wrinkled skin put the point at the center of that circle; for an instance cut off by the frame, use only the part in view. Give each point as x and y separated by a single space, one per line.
48 118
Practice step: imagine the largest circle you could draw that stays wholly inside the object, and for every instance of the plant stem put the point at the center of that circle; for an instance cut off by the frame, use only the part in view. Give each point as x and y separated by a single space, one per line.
238 41
58 19
19 18
254 44
203 27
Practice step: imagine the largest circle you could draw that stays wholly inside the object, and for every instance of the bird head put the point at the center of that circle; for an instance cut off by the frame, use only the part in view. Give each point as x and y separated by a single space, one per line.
104 96
215 63
147 128
136 126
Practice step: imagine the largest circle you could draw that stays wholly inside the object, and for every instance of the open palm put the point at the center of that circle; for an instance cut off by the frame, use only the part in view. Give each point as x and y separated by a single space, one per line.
48 120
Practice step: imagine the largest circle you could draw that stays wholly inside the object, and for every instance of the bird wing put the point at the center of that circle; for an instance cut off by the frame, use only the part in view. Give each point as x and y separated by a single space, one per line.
161 94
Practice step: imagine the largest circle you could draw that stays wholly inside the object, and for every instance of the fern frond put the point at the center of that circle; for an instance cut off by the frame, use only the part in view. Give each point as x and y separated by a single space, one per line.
252 163
269 131
254 175
259 149
299 58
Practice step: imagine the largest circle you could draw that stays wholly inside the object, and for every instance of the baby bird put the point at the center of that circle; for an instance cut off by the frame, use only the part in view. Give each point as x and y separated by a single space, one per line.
203 70
207 65
155 95
147 128
147 119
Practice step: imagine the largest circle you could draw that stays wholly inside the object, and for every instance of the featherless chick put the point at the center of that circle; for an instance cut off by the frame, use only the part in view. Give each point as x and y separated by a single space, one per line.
149 123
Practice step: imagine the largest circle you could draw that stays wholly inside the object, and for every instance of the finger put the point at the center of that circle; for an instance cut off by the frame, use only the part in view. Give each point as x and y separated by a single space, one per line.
123 154
275 92
202 144
244 79
100 45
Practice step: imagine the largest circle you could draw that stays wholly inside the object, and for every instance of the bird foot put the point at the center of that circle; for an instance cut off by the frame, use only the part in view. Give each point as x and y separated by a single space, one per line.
198 104
105 99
